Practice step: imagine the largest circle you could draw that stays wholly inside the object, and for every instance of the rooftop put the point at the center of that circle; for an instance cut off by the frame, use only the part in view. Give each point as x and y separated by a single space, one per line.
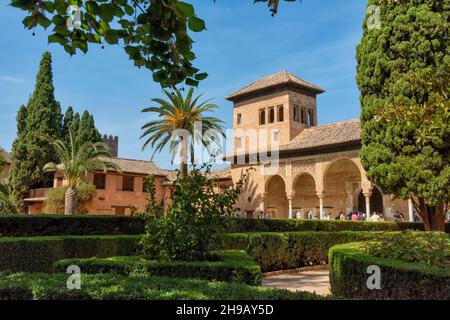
337 133
139 166
5 155
282 78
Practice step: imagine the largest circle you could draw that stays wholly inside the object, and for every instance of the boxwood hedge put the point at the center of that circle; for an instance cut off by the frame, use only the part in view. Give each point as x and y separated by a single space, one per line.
288 225
116 287
399 280
38 254
229 266
55 225
287 250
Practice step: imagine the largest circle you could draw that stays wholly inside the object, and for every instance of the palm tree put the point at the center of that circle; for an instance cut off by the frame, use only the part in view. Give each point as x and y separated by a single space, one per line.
76 161
180 114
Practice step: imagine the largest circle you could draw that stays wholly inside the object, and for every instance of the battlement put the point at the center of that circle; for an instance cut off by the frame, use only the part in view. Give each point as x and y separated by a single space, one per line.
113 144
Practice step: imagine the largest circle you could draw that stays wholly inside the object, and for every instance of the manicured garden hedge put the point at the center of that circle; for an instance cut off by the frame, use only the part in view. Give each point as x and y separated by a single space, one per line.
275 251
399 280
287 225
55 225
230 266
117 287
38 254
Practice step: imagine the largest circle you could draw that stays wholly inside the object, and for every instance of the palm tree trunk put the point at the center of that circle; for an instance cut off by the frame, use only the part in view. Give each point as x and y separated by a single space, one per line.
183 158
70 201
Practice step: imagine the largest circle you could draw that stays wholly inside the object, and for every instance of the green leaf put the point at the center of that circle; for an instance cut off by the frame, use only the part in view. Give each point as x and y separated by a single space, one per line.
44 21
201 76
29 22
107 12
111 36
57 38
69 49
191 82
196 24
59 20
186 9
129 10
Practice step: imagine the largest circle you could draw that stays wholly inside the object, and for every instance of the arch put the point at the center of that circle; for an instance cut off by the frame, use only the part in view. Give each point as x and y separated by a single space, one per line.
280 110
329 164
376 201
275 199
341 178
304 196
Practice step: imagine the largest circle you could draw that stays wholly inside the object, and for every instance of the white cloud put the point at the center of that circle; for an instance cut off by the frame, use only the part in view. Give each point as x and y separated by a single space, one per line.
11 79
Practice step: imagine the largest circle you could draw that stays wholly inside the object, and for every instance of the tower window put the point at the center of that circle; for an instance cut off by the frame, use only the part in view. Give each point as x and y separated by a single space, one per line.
280 113
271 115
262 116
303 116
239 118
296 114
310 117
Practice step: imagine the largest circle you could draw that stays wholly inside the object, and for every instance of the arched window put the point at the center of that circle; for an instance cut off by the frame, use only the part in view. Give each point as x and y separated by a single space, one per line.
262 116
296 114
271 115
304 120
280 113
239 118
310 117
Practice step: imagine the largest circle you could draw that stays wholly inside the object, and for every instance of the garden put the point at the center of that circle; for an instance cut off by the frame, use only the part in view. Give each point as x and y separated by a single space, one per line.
200 251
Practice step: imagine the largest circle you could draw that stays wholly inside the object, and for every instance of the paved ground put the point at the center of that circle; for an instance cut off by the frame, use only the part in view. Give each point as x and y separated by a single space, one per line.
313 281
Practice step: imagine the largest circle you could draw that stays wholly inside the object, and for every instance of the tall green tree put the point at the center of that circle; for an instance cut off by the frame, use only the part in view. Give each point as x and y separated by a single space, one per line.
87 130
75 160
179 115
394 62
39 123
67 123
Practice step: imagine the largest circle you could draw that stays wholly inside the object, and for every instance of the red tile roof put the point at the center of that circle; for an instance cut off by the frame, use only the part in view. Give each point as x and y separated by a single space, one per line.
275 80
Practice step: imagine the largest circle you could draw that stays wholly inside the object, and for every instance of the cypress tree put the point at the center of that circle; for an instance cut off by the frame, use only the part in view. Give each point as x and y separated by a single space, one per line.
67 123
33 147
393 63
87 130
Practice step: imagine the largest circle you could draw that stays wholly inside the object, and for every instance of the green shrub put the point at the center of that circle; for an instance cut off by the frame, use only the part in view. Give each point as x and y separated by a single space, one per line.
399 280
230 266
117 287
38 254
431 248
194 221
275 251
55 225
287 225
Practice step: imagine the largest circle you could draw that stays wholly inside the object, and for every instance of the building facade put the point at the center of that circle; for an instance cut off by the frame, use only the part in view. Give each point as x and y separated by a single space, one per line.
299 167
317 168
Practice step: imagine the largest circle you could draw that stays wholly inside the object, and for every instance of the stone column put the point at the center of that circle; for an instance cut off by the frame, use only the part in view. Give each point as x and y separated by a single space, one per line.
320 195
410 210
367 196
289 197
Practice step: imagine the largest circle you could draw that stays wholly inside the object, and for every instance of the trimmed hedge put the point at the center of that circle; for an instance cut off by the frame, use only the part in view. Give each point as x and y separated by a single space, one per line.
38 254
275 251
399 280
231 266
291 225
55 225
117 287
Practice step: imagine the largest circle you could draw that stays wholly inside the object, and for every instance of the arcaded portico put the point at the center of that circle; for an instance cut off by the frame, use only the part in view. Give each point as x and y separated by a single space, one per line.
319 168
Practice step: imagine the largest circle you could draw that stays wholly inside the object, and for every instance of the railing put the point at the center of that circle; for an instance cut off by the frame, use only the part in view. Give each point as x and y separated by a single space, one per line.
39 193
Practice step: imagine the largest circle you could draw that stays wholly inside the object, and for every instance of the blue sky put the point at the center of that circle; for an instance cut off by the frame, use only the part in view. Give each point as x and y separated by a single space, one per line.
315 40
